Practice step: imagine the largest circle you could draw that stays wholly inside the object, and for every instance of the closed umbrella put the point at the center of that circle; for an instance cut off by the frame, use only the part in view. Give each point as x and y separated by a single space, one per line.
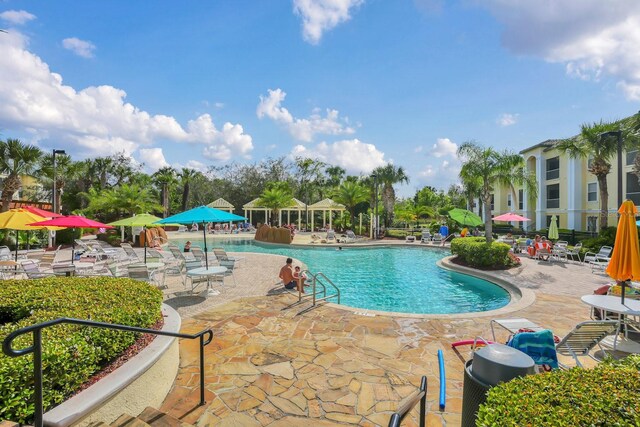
202 215
465 217
21 219
510 217
625 260
142 220
72 221
553 228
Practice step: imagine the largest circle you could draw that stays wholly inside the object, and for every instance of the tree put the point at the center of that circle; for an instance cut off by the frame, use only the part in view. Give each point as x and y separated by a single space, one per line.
16 159
66 171
186 175
276 197
590 142
493 168
122 200
350 194
335 175
388 176
165 178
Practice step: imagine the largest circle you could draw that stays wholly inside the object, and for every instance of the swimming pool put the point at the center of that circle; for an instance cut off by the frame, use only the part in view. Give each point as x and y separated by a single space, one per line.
400 279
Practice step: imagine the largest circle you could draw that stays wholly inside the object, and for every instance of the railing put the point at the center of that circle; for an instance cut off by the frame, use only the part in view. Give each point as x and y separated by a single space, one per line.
36 349
419 395
315 283
325 297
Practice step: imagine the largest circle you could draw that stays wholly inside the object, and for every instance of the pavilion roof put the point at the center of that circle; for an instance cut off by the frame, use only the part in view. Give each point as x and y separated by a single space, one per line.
297 204
327 204
220 203
253 205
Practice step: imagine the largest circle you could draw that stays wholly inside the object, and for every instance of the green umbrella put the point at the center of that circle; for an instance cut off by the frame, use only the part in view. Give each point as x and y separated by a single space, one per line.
553 229
141 220
465 217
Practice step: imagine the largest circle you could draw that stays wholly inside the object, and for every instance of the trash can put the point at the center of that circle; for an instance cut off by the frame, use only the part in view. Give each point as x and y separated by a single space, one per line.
490 365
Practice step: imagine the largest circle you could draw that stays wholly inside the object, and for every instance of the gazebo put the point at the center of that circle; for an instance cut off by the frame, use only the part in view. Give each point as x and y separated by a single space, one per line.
324 206
223 205
255 206
297 206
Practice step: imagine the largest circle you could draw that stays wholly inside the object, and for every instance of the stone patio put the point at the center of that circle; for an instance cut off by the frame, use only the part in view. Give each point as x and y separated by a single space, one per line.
270 365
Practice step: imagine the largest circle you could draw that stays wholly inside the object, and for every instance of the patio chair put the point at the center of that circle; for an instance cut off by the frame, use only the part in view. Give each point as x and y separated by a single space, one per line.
140 272
116 269
603 254
426 237
197 252
183 228
32 270
331 236
196 280
221 256
542 253
130 252
5 253
410 238
437 238
574 252
350 237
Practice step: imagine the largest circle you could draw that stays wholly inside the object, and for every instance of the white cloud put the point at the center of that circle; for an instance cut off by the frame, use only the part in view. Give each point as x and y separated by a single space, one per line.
199 166
418 149
319 16
95 120
507 119
81 48
594 39
302 129
153 158
353 155
17 17
444 147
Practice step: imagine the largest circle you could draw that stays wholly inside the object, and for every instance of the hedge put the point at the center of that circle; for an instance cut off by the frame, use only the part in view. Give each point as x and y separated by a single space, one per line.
607 395
476 252
71 354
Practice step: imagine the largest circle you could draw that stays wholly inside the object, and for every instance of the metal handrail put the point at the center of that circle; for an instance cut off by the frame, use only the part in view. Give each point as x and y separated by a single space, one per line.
419 395
36 349
312 276
315 279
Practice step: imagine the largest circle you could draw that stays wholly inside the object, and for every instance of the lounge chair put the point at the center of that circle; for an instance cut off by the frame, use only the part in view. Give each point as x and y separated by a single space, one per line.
5 253
350 237
331 236
32 270
315 238
579 342
437 238
140 272
221 256
542 253
603 254
426 237
182 228
410 238
130 252
575 252
197 253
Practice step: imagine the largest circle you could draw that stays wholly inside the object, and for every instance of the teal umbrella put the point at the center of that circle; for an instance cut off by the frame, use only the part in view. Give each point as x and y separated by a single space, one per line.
553 228
465 217
201 215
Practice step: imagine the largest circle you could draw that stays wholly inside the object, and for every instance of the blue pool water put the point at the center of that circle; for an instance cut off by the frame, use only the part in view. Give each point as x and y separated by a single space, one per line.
400 279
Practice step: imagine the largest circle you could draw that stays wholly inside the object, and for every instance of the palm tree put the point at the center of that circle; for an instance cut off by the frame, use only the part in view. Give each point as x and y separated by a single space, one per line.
66 171
493 168
121 200
350 194
101 167
16 159
388 176
165 178
186 175
590 142
335 175
276 197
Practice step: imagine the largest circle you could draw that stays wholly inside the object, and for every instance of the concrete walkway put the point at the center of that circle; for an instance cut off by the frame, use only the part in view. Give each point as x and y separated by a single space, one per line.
270 365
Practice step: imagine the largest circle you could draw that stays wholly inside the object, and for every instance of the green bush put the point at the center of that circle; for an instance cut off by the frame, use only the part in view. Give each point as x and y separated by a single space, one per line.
476 252
607 395
71 354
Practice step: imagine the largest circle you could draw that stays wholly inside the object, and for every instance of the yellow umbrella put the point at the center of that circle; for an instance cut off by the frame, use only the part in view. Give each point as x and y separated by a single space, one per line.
17 219
625 260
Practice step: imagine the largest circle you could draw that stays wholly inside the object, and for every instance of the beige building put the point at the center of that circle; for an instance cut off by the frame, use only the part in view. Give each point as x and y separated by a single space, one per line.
566 189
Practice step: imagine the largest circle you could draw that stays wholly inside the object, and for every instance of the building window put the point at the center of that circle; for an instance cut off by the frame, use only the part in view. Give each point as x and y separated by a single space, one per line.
589 162
521 199
592 192
493 199
553 196
631 157
592 223
509 200
633 188
553 168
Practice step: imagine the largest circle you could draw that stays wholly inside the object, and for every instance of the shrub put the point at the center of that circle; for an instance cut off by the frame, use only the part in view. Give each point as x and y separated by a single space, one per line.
476 252
605 395
71 354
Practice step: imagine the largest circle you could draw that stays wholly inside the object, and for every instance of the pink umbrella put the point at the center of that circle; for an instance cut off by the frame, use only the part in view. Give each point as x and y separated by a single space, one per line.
510 217
72 221
41 212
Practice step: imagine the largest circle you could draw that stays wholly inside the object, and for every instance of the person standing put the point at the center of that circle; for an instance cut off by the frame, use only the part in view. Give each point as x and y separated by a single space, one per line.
286 274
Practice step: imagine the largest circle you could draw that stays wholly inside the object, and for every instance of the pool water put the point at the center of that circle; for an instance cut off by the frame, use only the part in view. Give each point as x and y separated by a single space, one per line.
399 279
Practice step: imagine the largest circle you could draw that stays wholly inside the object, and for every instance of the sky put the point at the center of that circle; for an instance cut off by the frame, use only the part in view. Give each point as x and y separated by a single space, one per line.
355 83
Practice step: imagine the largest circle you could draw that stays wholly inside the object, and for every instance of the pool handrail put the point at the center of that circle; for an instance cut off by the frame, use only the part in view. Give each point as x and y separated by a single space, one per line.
325 297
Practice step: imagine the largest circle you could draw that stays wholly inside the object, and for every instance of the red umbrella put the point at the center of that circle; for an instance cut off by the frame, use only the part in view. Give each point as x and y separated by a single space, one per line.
72 221
510 217
41 212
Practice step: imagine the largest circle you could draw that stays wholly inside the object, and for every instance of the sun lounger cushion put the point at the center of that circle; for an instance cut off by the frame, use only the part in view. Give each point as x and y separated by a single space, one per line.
540 346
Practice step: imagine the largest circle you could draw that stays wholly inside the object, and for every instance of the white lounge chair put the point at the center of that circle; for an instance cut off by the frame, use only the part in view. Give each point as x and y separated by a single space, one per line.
575 252
603 254
426 237
183 228
410 238
437 238
5 253
331 236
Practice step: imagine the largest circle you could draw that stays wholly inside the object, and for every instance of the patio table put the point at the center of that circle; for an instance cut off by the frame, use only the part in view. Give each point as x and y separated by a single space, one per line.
208 272
627 314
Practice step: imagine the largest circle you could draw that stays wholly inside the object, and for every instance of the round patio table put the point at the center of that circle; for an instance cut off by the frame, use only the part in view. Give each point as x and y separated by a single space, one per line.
208 272
627 313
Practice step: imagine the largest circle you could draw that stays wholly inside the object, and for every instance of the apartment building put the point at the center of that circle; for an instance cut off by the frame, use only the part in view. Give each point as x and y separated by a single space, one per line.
566 189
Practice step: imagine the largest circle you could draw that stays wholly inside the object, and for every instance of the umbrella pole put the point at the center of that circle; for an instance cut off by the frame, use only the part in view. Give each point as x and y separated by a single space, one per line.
27 240
204 234
17 238
144 230
73 246
624 285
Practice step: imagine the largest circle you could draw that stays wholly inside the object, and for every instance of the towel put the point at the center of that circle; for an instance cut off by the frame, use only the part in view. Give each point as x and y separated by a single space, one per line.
538 345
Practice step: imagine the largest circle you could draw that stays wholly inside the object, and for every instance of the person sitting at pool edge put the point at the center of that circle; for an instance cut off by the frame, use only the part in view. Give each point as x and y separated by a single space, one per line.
286 274
300 278
187 246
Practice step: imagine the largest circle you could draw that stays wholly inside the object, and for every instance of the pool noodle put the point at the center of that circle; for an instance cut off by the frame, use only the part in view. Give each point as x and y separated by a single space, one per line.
443 383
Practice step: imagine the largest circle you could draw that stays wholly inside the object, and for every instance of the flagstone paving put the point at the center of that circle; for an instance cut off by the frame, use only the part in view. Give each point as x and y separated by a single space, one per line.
270 365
